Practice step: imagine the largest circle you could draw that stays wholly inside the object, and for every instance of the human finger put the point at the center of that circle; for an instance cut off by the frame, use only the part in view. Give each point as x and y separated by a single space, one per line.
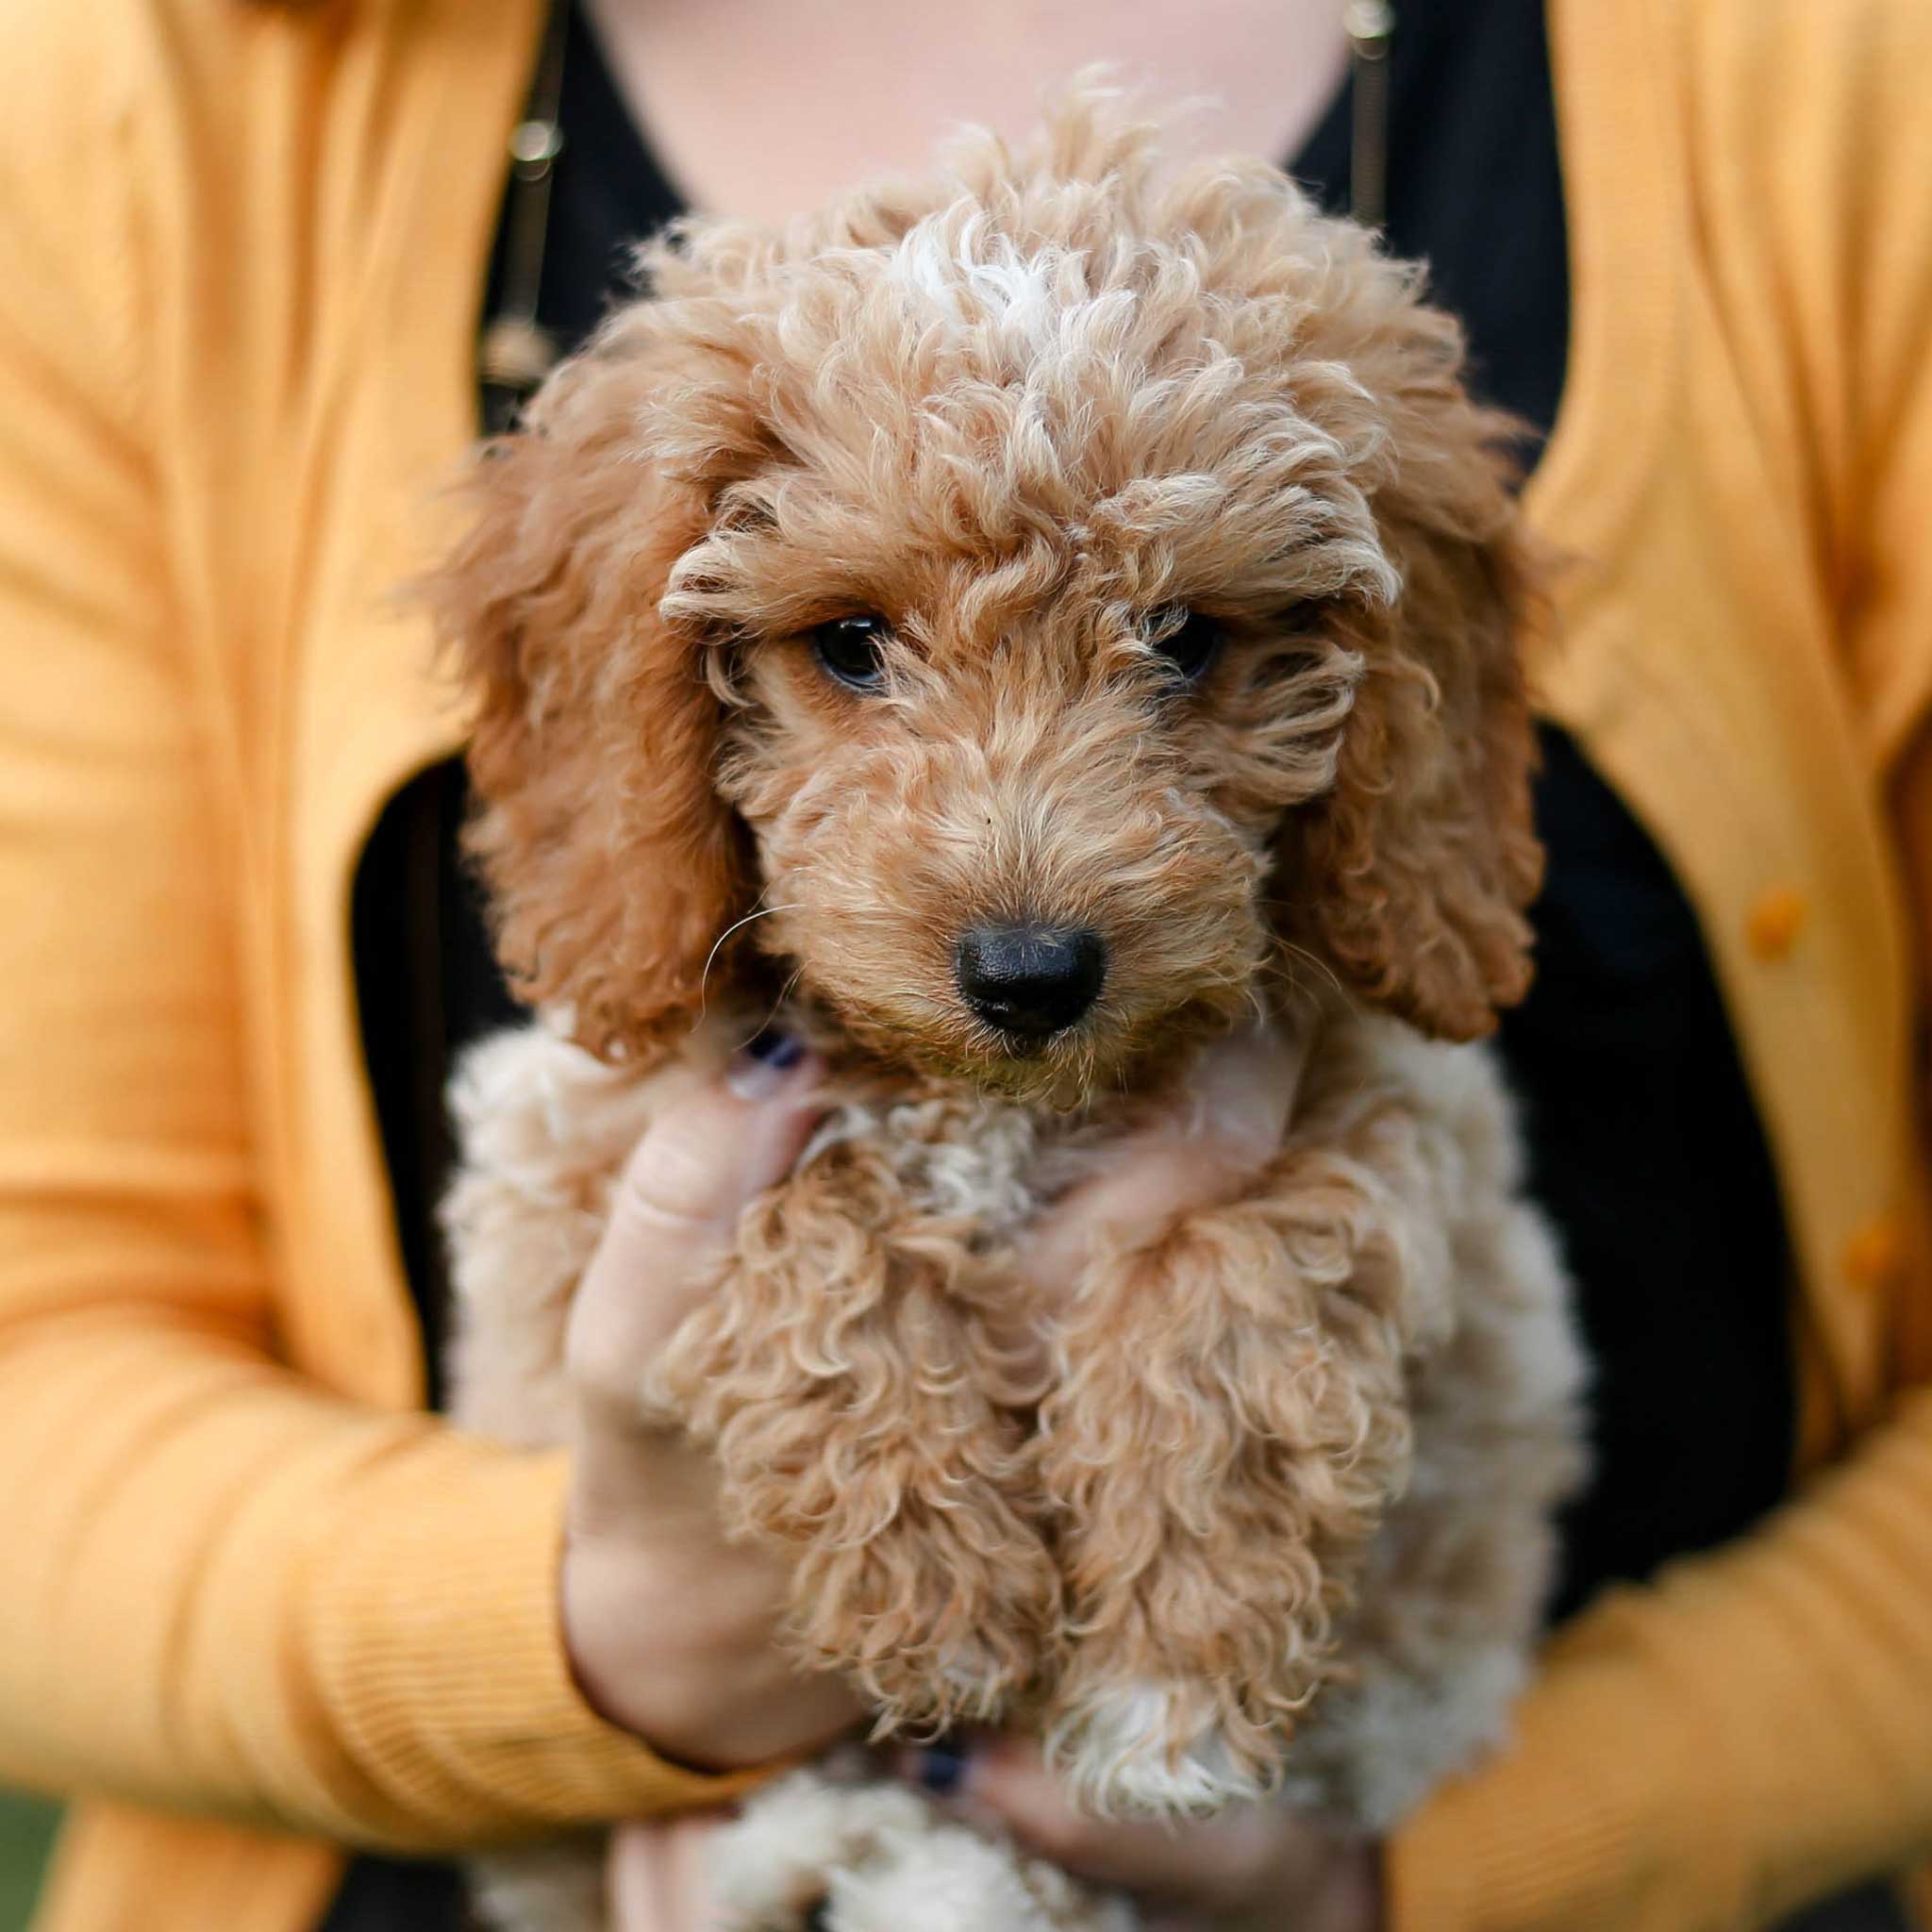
656 1878
1223 1126
718 1141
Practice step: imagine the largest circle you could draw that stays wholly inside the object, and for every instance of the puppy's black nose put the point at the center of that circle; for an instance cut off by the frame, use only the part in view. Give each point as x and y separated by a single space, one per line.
1032 980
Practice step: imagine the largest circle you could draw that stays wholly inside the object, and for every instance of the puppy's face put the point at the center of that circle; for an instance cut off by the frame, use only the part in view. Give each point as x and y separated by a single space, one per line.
1015 769
1031 625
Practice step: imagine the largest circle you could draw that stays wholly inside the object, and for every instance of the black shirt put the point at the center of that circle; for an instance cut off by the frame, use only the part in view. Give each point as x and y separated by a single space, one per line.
1644 1145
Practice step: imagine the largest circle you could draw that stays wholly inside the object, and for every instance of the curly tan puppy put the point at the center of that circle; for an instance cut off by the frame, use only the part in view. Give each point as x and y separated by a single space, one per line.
1014 627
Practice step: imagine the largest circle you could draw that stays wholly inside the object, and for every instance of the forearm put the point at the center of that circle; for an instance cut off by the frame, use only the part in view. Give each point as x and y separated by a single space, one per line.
230 1593
1752 1732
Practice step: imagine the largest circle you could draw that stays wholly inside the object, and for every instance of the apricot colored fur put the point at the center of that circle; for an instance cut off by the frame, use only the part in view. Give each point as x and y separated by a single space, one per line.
1271 1503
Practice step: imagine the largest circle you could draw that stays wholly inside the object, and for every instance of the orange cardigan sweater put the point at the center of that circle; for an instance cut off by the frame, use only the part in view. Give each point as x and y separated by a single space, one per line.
252 1602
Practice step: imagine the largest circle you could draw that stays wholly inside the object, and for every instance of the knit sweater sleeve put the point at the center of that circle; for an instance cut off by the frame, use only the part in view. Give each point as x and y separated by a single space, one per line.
224 1590
1755 1730
1751 1732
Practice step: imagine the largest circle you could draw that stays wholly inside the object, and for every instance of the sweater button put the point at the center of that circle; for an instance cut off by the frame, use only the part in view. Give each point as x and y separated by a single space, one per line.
1774 921
1872 1256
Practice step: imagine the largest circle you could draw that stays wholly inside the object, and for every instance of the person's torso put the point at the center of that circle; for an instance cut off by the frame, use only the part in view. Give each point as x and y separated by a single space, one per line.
347 171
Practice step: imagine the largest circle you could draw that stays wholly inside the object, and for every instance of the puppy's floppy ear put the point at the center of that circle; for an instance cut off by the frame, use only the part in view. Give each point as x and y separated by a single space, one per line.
613 867
1411 875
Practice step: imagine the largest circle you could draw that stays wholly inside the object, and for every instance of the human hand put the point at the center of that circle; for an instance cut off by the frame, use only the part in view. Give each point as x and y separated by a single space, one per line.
1261 1868
670 1626
657 1877
1216 1133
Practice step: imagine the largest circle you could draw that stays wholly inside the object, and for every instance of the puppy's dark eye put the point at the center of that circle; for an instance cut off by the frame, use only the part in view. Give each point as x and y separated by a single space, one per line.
1187 640
851 648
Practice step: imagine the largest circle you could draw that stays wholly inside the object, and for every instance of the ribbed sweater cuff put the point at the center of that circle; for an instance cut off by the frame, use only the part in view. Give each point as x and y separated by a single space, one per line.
1588 1822
1484 1855
439 1655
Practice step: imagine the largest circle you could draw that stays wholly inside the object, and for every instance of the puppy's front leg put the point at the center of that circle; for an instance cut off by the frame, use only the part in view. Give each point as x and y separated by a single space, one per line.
849 1375
1227 1432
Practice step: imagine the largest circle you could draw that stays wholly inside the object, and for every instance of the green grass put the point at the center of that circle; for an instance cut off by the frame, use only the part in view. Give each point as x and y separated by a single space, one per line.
27 1829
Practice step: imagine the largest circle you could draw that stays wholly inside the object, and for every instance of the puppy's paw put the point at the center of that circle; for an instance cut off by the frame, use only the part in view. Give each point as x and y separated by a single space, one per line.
949 1879
1148 1749
772 1867
816 1852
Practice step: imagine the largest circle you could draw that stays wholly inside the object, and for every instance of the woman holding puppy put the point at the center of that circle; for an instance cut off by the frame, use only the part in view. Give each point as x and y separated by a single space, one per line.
261 1605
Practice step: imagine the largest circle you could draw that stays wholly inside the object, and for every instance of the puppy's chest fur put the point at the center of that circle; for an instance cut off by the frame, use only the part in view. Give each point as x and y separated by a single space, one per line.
546 1128
986 1164
1319 1431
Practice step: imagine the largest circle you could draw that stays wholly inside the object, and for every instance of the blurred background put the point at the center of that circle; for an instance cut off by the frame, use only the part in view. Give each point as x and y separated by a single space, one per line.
27 1830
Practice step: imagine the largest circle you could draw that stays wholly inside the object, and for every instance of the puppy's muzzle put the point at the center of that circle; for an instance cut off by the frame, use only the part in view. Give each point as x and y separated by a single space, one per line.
1030 981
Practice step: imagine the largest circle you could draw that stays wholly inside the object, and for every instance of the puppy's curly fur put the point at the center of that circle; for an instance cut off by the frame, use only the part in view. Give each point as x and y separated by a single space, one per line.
1039 415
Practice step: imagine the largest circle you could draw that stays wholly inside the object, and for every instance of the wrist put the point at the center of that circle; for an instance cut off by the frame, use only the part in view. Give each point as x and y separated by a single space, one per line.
678 1650
653 1642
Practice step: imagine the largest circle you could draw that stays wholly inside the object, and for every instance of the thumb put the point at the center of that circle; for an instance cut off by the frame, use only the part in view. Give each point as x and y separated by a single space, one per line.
720 1141
714 1145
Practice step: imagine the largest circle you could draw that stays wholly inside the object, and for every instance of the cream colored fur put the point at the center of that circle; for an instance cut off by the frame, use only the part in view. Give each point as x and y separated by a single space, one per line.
1428 1660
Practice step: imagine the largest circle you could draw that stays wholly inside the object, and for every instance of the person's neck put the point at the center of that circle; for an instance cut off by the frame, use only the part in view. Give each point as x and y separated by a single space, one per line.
762 107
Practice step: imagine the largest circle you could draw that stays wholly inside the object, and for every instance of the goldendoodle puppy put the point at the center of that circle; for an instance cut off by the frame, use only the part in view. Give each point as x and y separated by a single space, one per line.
1014 628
